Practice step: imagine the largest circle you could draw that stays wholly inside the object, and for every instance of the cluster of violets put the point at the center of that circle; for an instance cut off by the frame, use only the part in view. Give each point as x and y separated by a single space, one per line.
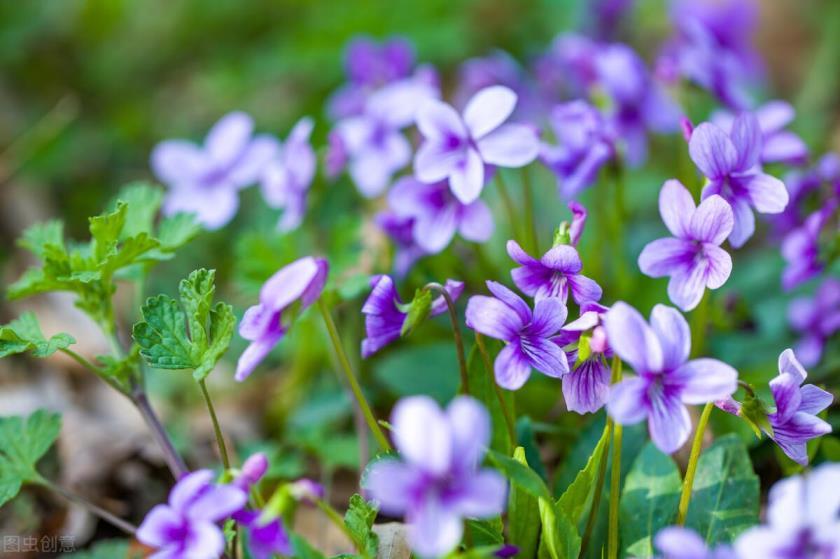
587 103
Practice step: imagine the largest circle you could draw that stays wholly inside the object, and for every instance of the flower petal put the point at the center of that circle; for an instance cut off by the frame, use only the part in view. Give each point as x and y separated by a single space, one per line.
433 231
488 109
302 279
229 137
676 207
254 354
814 399
433 529
546 356
204 539
437 121
793 434
254 159
784 147
549 315
746 136
158 526
178 162
713 221
435 161
391 483
511 367
476 222
788 363
676 542
469 424
718 266
587 387
584 289
482 495
562 258
217 503
492 317
422 434
744 223
705 380
673 333
666 256
510 145
213 207
467 179
686 287
632 339
767 193
712 151
785 389
189 488
628 399
511 299
668 422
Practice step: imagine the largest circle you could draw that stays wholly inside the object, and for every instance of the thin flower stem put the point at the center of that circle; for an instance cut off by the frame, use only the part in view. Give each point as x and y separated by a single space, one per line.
173 459
351 378
531 223
336 519
508 202
220 438
599 488
747 387
488 366
105 515
93 369
456 333
699 324
615 475
691 470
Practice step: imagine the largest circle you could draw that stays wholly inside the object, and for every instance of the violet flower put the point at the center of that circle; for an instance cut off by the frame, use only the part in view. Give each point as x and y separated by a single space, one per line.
730 162
401 230
801 246
587 385
188 525
527 335
458 146
584 145
607 16
567 70
287 178
816 319
252 471
801 184
803 519
795 421
385 315
555 274
437 214
206 179
666 381
692 257
439 481
777 144
300 284
579 215
497 68
266 534
677 542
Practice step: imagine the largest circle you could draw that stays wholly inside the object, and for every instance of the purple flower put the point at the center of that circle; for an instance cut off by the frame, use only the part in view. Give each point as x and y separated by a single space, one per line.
439 481
252 471
437 214
801 184
801 247
384 312
287 178
607 16
692 257
587 386
267 536
401 230
803 519
730 162
676 542
299 283
458 146
816 318
567 69
666 381
584 145
578 222
553 275
205 180
306 491
778 145
527 335
498 68
795 421
188 526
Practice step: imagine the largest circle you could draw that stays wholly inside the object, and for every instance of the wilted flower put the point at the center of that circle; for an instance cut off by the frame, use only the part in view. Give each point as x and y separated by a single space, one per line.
555 274
777 144
188 525
730 162
666 380
803 517
206 179
692 257
437 214
587 385
457 147
385 314
439 481
287 178
300 284
801 246
816 318
527 334
677 542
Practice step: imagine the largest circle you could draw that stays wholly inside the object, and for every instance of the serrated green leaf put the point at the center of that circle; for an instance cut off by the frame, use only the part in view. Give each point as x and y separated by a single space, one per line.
359 520
725 495
24 334
649 500
523 515
162 336
23 441
143 201
37 237
105 231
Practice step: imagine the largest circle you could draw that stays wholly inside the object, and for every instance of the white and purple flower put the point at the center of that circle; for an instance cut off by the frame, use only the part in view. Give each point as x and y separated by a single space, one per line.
555 274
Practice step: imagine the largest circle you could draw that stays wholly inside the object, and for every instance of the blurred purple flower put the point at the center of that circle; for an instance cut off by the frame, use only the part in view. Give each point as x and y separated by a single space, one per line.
267 537
497 68
584 145
287 178
527 334
457 147
554 275
676 542
298 284
401 230
579 215
801 246
730 162
607 16
587 385
816 318
206 179
795 421
777 144
666 381
252 471
188 525
801 184
692 257
567 70
802 519
307 491
384 316
439 481
437 214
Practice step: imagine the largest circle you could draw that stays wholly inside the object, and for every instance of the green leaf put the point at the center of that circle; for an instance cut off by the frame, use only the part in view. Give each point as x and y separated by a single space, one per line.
177 230
523 515
417 311
303 549
419 369
121 370
38 237
192 335
24 334
143 201
521 475
108 549
105 230
483 388
22 443
359 520
754 412
725 495
486 532
649 500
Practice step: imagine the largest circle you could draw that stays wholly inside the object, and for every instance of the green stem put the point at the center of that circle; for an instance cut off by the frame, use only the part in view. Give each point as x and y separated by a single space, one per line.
173 459
699 324
599 488
351 378
456 333
336 519
615 475
96 510
617 225
691 470
220 438
488 366
93 369
531 223
508 202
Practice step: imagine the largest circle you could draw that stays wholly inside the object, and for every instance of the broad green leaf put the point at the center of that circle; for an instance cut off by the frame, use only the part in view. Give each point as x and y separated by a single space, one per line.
523 515
649 500
483 388
486 532
162 336
429 369
37 237
24 334
177 230
359 520
725 495
303 549
527 439
23 441
558 533
105 230
521 475
143 201
109 549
